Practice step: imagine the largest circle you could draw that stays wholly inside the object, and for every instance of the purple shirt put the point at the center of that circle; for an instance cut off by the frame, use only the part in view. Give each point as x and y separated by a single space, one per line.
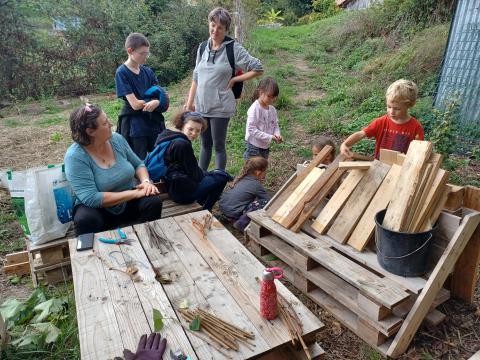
262 124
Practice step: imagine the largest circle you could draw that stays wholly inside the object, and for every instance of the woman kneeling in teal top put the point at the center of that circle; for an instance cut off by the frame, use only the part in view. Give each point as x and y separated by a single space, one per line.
101 168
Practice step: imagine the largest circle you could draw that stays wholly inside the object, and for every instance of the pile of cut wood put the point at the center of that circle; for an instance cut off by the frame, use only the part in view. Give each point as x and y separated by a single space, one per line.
412 186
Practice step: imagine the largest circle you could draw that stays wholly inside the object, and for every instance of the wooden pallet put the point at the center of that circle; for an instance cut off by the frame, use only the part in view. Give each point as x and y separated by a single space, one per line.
50 262
383 309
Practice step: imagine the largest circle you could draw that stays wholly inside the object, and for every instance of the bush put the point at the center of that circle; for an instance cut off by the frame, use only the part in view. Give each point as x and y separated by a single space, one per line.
83 57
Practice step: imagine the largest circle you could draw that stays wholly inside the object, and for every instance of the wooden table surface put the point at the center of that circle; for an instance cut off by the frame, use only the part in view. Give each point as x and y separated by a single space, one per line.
216 273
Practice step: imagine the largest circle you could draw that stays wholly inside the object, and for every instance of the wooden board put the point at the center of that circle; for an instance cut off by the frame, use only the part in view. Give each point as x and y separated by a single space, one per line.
465 276
388 157
436 191
197 284
336 202
366 225
345 222
455 197
98 332
316 202
434 284
412 171
219 250
297 197
283 195
369 259
368 283
351 165
310 193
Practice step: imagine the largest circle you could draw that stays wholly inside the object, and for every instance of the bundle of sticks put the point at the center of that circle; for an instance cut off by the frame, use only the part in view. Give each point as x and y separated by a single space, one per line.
219 331
293 323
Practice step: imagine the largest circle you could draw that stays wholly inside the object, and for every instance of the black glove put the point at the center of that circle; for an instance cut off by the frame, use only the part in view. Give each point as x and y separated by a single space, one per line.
148 349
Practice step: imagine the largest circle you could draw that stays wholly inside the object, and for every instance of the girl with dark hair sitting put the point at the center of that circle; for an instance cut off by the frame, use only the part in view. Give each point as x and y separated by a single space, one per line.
186 181
247 192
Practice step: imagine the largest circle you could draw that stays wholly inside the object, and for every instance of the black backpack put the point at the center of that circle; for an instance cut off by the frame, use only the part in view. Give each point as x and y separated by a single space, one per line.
238 86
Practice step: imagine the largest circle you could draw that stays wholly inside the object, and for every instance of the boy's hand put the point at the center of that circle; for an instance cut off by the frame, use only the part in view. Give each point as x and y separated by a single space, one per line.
345 150
151 105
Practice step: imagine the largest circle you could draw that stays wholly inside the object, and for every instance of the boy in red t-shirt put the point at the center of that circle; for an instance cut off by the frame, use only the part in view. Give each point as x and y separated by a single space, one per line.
396 129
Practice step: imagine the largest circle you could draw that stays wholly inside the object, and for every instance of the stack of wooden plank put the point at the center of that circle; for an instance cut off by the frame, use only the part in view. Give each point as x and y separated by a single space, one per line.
326 255
412 186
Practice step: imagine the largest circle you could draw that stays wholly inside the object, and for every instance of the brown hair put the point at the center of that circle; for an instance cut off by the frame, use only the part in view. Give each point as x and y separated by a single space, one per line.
220 15
255 163
135 41
83 118
182 118
322 141
266 85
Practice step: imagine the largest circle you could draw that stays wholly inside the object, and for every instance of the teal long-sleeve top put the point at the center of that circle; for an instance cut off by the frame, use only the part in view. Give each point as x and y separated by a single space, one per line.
89 181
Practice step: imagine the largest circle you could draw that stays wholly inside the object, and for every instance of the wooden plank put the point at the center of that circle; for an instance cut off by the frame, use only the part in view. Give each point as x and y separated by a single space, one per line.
366 225
337 201
388 157
98 330
183 286
151 295
436 210
400 159
369 259
455 197
227 247
311 192
372 309
318 200
281 190
417 156
345 222
436 191
367 282
475 356
283 195
352 165
434 283
296 198
372 335
274 333
422 192
434 318
465 276
16 257
131 318
19 268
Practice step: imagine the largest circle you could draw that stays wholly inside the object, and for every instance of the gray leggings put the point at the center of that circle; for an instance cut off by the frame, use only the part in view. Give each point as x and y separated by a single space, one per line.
215 136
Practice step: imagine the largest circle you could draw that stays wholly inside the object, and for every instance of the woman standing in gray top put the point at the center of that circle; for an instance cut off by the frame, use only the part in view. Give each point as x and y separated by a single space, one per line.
211 90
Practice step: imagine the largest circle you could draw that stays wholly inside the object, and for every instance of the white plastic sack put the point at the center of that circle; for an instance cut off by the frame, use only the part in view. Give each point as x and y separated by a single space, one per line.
16 184
48 204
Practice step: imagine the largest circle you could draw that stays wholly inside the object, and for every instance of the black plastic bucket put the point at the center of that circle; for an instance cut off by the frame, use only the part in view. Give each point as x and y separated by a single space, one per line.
404 254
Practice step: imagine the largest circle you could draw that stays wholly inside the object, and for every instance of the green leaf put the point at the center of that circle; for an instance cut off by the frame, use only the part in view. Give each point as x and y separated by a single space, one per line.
47 308
195 324
14 280
48 329
10 310
157 320
26 340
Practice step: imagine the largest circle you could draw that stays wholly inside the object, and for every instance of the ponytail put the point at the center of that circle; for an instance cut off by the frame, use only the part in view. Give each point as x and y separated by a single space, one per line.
256 163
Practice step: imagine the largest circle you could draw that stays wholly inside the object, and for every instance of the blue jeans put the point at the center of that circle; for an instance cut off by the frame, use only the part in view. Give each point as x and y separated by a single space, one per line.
253 150
207 193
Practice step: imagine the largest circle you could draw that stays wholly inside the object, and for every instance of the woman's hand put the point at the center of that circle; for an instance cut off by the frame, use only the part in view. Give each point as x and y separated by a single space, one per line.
147 188
189 107
232 82
151 105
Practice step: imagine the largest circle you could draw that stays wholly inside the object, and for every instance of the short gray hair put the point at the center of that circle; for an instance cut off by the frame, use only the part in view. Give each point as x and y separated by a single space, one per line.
220 15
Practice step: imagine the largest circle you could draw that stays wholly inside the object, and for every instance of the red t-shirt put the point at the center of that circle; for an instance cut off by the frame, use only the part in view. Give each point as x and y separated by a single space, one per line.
392 136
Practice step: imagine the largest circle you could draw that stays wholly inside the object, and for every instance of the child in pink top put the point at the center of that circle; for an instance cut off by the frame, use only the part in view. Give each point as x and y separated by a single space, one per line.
262 121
